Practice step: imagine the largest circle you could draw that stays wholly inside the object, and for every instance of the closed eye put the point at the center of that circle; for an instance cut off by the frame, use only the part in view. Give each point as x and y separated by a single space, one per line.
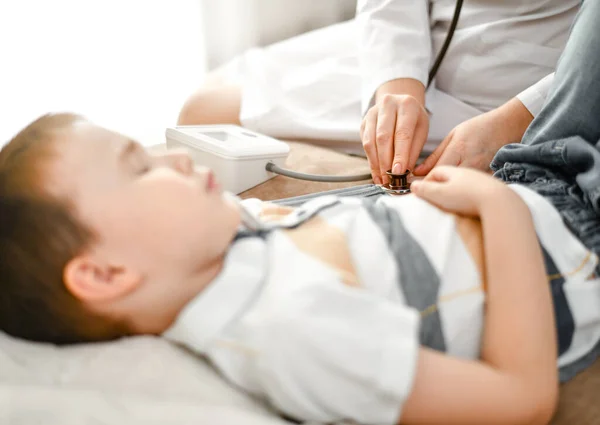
135 158
144 169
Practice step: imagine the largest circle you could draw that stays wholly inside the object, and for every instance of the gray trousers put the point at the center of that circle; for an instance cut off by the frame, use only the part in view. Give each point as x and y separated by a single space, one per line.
559 156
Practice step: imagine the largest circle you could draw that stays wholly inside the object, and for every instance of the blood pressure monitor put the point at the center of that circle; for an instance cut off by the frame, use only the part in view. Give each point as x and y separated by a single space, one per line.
237 156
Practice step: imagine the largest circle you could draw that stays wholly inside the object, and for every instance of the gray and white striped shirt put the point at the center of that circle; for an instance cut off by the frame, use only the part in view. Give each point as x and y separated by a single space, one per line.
323 313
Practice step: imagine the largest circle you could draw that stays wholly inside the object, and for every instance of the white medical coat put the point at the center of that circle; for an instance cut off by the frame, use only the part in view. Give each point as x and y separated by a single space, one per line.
318 85
398 37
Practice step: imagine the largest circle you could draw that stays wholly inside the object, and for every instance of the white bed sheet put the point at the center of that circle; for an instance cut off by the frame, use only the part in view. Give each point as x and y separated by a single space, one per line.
141 380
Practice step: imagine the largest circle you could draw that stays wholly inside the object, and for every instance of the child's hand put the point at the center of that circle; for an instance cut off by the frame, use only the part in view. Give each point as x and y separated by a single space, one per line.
459 190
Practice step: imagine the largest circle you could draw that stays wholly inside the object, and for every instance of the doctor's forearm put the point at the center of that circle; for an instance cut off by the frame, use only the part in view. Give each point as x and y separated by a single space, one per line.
515 118
407 86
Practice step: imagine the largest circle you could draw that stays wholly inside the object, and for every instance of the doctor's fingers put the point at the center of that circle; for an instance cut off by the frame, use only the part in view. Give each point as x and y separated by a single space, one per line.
410 120
419 140
368 128
454 155
384 135
434 157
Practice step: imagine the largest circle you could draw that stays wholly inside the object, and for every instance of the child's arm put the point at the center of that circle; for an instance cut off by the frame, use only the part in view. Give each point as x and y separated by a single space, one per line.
516 381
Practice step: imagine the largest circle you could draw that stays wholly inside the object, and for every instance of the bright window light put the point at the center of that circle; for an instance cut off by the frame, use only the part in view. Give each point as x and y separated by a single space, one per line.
125 64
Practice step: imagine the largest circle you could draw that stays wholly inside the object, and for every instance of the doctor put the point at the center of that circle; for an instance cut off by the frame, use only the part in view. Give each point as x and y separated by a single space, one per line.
365 81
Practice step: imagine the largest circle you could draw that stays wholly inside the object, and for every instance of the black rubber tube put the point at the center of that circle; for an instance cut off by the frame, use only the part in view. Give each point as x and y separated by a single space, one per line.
444 49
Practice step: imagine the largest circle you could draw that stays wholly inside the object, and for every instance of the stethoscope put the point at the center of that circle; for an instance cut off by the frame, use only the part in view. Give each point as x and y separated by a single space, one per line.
359 177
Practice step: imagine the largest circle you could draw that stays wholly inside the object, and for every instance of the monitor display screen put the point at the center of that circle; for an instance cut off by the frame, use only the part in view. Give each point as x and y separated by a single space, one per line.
222 136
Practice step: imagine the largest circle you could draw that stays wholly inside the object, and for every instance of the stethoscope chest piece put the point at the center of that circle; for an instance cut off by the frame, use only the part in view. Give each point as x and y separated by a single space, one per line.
398 184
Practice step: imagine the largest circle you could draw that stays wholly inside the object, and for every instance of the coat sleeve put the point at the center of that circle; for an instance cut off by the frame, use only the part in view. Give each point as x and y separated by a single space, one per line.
535 96
394 42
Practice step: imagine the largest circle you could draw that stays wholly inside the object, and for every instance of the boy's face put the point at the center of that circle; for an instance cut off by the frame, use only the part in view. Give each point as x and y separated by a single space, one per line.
154 215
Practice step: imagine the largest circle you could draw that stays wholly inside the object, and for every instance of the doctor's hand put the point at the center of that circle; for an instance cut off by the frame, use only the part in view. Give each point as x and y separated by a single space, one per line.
393 133
474 142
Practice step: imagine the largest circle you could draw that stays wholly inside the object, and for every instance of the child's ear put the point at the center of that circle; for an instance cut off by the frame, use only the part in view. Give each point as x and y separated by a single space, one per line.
90 280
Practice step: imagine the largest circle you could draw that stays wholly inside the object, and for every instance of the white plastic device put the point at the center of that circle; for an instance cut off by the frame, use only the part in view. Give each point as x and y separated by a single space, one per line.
236 155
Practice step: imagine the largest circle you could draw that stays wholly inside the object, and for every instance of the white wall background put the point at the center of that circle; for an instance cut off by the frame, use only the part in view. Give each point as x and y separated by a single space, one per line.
126 64
231 26
130 64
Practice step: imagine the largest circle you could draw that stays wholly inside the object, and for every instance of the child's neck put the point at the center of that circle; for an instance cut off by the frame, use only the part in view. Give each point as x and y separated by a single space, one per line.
178 293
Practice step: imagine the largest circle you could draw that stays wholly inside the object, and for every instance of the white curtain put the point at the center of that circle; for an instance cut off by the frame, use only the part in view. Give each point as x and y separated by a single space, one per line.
126 64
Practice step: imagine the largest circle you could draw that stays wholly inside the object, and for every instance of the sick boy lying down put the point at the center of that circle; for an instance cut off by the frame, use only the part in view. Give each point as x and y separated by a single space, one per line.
458 305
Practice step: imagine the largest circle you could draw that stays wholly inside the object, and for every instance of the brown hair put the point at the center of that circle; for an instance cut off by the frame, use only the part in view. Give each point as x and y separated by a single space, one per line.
39 235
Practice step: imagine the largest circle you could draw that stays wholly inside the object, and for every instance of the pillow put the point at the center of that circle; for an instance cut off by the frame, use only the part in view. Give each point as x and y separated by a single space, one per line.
134 380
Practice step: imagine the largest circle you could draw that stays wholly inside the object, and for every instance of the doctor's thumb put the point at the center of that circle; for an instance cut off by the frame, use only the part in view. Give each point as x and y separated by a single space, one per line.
424 168
433 158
